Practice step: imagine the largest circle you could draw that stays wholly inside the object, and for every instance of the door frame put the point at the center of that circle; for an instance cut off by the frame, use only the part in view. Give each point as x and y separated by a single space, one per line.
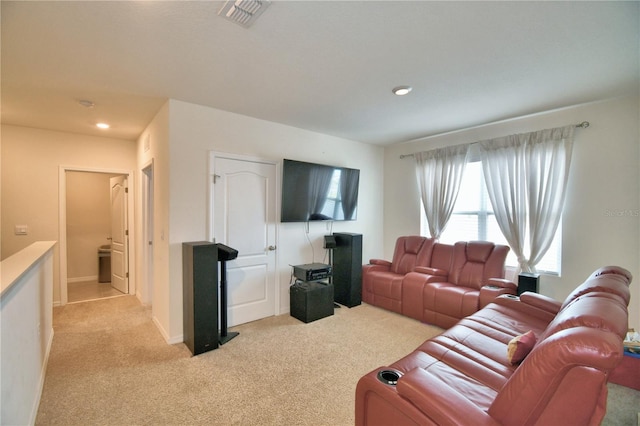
147 189
62 223
210 203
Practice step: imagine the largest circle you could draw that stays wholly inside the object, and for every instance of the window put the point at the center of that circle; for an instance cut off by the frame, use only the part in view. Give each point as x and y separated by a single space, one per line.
473 219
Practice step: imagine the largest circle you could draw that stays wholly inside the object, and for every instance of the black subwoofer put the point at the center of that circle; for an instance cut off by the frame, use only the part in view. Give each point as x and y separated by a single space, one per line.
310 301
527 282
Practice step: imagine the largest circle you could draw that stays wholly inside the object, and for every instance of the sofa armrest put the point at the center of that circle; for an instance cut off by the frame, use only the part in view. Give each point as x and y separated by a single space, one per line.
489 292
542 307
503 283
438 401
540 301
380 262
440 273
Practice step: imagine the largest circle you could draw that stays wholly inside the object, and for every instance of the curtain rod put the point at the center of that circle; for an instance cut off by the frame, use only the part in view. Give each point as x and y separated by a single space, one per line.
582 125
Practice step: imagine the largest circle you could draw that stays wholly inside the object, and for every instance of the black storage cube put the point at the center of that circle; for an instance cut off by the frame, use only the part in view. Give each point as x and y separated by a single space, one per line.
310 301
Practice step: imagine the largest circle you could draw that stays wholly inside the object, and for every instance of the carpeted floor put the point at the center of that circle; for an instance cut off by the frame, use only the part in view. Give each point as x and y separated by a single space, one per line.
110 366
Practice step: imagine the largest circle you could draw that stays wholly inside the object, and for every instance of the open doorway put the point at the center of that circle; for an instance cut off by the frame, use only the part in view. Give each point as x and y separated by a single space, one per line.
94 249
95 220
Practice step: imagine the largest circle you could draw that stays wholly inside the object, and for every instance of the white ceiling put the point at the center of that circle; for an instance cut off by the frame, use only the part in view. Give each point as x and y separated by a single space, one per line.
326 66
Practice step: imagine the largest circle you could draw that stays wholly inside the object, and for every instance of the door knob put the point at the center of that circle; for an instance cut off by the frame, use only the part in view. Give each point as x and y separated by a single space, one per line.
272 248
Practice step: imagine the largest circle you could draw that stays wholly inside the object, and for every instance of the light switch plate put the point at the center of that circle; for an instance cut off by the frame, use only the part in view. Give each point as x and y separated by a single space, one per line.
21 229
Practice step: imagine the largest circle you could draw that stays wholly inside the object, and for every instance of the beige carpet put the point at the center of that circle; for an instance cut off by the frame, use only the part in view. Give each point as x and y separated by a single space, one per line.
110 366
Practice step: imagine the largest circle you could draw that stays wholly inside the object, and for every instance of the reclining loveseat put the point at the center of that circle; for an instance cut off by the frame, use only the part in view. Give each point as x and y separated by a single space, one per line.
527 360
437 283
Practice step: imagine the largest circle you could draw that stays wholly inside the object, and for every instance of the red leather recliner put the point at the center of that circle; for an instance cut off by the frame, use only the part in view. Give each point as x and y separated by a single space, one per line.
463 376
475 278
382 280
436 283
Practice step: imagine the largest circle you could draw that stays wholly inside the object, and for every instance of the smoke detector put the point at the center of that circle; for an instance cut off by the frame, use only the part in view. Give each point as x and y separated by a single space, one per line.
243 12
86 103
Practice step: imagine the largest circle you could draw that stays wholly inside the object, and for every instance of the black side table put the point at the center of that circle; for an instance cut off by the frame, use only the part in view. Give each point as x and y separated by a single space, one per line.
311 300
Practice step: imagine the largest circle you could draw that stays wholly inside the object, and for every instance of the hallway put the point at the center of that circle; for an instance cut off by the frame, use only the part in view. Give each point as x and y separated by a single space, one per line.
83 291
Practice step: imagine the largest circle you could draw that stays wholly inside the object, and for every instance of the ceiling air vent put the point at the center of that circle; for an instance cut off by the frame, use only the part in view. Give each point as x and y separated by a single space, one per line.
243 12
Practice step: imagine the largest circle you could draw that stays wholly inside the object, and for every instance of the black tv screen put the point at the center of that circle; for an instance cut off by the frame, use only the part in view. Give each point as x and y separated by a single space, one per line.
313 192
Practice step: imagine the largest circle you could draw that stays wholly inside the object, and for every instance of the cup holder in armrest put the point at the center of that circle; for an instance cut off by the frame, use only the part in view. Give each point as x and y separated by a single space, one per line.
389 377
511 296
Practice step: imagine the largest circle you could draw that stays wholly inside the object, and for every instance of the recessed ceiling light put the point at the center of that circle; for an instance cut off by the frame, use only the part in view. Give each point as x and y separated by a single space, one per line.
402 90
102 125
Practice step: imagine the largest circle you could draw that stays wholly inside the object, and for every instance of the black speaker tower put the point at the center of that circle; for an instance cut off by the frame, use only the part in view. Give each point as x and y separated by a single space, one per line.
347 269
200 296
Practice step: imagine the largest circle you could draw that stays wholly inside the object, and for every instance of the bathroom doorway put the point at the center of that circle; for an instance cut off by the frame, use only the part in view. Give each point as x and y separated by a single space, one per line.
94 243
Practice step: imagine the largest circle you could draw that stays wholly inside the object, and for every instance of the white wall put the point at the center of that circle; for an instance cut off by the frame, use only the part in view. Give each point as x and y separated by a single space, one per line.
194 131
601 224
31 159
153 148
27 330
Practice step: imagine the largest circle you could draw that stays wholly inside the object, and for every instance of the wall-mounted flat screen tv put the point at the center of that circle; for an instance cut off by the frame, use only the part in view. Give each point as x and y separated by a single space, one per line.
312 192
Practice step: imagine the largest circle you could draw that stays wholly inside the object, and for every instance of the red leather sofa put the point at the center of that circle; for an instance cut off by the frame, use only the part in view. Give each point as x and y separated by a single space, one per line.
437 283
464 376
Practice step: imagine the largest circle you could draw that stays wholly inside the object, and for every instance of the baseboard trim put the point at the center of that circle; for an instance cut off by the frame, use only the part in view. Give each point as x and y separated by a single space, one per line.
169 340
43 373
81 279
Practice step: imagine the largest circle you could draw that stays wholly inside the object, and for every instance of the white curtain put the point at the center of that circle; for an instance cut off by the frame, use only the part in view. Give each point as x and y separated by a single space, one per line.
439 174
526 177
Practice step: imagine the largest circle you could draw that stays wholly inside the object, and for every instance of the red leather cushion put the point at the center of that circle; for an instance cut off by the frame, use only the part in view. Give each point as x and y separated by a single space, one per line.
520 346
410 252
479 251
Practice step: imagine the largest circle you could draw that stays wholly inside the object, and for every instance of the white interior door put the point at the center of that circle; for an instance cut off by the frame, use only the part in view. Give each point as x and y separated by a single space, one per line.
119 234
244 216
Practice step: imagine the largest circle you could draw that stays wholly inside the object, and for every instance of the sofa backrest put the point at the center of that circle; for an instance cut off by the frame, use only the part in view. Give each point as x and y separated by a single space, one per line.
411 251
601 310
474 262
610 279
442 256
600 302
